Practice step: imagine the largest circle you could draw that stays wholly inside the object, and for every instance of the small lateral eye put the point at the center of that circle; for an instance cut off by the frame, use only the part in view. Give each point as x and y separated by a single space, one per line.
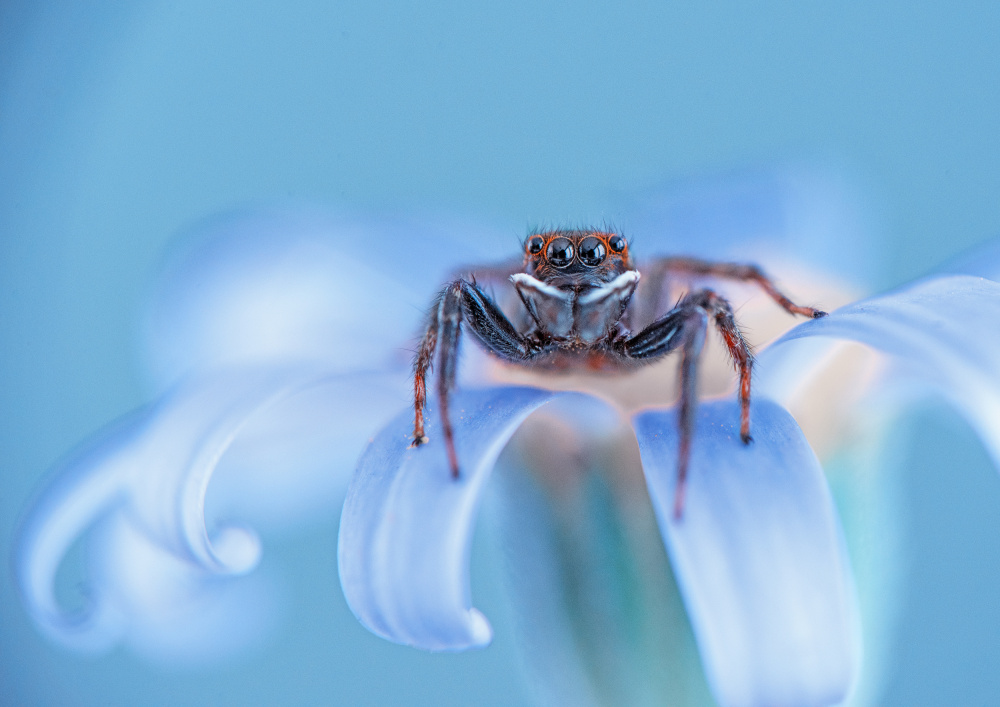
560 252
591 251
617 243
535 244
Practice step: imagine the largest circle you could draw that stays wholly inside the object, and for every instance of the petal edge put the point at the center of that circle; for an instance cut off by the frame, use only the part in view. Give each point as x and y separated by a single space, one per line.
757 555
942 330
406 528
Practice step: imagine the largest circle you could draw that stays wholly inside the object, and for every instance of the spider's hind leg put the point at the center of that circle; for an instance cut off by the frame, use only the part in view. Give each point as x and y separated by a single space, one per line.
740 272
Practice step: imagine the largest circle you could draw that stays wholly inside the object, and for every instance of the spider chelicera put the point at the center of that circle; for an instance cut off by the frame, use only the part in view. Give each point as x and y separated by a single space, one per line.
576 287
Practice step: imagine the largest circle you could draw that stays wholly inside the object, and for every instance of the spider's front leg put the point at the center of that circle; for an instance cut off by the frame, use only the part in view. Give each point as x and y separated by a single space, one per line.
461 301
684 327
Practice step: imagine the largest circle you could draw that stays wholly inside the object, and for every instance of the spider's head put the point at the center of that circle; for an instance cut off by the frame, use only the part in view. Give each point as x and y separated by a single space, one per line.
574 258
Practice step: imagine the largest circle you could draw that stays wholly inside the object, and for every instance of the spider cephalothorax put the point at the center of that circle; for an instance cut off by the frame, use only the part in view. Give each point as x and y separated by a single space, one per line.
576 257
576 288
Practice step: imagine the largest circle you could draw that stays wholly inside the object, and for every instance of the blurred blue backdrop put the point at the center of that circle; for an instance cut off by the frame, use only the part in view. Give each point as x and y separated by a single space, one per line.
123 123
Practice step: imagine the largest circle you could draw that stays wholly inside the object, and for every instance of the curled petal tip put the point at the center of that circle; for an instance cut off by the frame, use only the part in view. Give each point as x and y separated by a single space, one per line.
480 630
154 469
237 548
406 528
91 485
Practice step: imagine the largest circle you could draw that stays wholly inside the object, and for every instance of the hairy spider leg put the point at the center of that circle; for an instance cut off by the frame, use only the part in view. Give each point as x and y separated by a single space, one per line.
740 353
421 365
728 271
684 327
461 301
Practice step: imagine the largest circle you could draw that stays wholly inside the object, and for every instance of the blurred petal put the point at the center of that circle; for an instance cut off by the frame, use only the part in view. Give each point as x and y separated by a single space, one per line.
599 617
156 468
541 590
865 477
178 614
760 215
298 284
291 463
272 287
176 458
980 261
88 486
407 525
945 331
758 557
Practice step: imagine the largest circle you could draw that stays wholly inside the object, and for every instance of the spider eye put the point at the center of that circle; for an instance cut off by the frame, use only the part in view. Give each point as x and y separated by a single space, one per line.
560 252
535 244
591 251
617 243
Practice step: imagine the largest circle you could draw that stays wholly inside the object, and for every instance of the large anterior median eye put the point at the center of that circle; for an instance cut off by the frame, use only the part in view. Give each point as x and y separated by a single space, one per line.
591 251
560 252
535 244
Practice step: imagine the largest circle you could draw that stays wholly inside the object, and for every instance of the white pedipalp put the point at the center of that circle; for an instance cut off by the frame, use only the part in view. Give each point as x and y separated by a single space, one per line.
562 314
551 307
623 286
597 311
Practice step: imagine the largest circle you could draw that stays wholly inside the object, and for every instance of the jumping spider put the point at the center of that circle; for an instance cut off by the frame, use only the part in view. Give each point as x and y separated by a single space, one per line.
576 287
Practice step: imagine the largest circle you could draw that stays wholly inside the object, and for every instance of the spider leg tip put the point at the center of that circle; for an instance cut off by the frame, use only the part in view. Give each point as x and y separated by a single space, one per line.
679 503
746 438
818 314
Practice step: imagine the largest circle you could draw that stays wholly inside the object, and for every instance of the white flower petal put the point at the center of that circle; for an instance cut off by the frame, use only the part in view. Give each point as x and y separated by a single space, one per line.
291 463
537 585
981 261
174 461
283 285
178 614
90 485
943 330
771 213
407 524
598 614
299 284
155 468
757 555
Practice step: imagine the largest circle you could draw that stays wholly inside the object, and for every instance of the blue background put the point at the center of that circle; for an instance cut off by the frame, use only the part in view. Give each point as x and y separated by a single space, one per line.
122 123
